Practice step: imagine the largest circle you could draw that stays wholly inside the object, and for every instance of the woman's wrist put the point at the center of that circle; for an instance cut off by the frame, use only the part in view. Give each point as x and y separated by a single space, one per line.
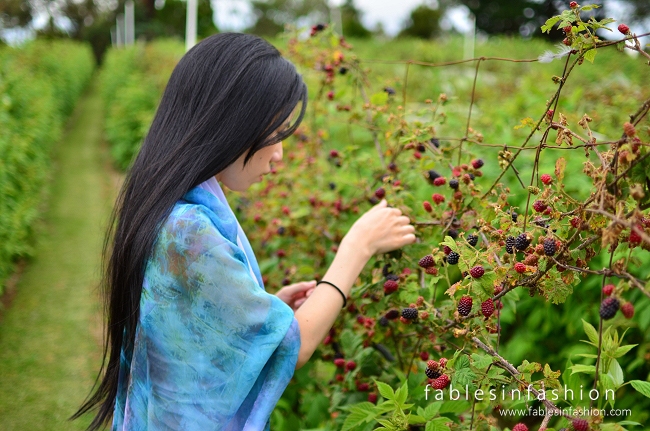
357 246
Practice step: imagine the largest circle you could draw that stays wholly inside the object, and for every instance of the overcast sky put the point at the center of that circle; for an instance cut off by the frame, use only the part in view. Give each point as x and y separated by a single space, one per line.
235 15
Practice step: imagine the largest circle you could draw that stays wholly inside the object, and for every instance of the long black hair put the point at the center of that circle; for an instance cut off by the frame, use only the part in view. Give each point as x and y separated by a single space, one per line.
229 94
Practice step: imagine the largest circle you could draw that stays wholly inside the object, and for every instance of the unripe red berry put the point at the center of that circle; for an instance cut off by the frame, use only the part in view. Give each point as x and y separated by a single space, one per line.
330 95
417 155
427 206
443 362
441 382
578 425
608 289
334 153
380 193
629 129
566 41
437 198
576 222
520 426
372 397
539 206
339 362
363 387
624 29
628 310
487 307
439 181
390 286
520 267
573 5
351 365
424 356
567 29
477 271
546 179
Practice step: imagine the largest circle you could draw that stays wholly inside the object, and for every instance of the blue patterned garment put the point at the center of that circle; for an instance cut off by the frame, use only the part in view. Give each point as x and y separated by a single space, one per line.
213 350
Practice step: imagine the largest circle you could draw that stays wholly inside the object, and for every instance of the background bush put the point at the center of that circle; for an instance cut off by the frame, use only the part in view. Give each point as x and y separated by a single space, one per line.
132 81
305 216
39 86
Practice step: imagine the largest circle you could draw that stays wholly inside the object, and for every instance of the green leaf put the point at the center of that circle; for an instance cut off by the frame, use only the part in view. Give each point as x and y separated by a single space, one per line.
590 55
623 350
385 390
454 406
587 369
641 387
548 26
350 341
401 394
616 373
415 419
360 413
379 98
438 424
481 361
590 331
635 424
461 362
431 410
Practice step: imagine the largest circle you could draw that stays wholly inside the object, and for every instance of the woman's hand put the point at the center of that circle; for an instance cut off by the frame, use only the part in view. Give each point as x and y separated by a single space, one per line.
380 230
294 295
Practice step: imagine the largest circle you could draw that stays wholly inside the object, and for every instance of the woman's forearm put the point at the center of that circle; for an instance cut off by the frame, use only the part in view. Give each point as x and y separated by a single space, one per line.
317 315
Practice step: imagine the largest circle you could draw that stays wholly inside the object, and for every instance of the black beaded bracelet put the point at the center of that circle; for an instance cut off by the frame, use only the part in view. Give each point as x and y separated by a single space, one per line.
345 301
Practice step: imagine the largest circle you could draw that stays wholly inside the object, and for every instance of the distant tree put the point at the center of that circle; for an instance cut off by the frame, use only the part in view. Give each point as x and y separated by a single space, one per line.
423 23
273 15
91 20
351 21
525 17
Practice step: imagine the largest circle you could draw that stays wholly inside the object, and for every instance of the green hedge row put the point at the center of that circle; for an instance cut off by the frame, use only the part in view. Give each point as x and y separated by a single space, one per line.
39 86
132 81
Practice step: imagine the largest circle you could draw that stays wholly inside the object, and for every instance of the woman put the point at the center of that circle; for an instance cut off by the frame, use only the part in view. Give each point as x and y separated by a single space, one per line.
193 341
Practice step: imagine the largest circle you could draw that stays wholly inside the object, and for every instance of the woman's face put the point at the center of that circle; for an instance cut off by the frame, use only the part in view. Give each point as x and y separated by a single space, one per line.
239 178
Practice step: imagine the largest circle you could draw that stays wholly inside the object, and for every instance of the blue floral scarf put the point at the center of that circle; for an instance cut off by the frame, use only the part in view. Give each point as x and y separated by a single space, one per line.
213 350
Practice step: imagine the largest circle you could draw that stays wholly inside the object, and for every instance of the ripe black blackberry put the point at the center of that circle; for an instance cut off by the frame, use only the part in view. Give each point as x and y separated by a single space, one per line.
431 373
522 242
452 233
431 175
609 307
514 216
332 186
435 142
472 240
410 313
453 184
383 321
510 243
465 305
393 277
452 258
549 247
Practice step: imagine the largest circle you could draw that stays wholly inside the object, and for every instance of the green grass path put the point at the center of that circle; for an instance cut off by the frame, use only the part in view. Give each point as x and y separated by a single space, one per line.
51 334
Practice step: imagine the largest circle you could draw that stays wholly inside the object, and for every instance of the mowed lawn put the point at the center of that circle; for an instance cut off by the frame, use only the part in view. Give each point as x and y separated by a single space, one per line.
51 334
